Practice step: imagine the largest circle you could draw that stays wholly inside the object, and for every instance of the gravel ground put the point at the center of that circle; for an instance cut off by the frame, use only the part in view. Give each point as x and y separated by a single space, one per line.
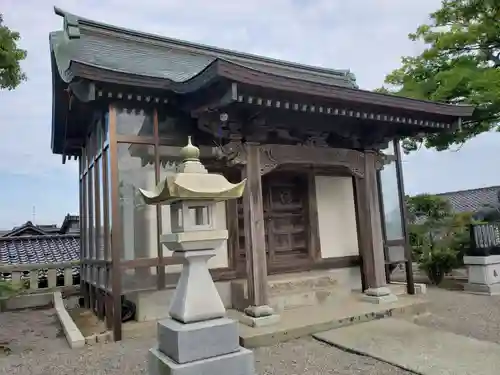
304 356
28 331
465 314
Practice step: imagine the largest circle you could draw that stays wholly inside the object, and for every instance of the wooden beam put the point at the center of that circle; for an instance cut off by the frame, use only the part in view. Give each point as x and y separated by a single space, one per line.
255 244
274 155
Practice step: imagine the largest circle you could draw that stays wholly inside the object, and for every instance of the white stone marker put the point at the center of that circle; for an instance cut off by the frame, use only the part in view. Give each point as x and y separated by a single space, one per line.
483 274
197 338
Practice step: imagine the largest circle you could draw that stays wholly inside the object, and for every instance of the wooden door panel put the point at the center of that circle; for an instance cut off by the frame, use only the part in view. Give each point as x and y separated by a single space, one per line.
285 215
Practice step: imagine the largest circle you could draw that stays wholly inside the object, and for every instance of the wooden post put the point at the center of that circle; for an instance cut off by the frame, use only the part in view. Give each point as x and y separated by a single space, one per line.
372 234
313 239
410 282
359 208
255 242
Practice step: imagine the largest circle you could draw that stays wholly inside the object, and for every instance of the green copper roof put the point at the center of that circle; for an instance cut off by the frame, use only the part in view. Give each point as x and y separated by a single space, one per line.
126 51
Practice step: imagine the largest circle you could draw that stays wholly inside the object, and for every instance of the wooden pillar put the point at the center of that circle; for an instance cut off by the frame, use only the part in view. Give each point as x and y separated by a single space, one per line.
255 243
116 229
410 282
359 209
371 232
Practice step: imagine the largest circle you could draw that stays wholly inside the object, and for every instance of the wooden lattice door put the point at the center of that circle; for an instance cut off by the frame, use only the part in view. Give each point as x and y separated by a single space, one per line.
285 215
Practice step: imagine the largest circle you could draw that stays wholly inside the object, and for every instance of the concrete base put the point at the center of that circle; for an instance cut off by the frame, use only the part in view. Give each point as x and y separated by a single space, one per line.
487 290
262 321
259 316
237 363
195 341
379 299
379 295
483 274
307 320
400 288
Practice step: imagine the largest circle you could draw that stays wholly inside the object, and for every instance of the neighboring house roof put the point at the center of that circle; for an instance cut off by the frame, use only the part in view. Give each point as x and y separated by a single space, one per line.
39 249
49 228
27 228
472 200
69 225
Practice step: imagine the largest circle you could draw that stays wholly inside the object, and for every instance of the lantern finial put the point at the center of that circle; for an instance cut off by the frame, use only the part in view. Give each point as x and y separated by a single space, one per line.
190 152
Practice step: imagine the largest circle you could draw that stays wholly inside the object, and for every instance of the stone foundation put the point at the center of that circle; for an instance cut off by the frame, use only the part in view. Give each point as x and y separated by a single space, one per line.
483 274
301 289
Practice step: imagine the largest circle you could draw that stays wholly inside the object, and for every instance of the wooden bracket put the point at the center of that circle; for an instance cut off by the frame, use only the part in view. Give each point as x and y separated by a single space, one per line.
273 155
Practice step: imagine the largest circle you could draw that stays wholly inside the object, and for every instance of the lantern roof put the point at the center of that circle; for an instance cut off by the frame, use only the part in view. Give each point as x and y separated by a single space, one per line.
192 182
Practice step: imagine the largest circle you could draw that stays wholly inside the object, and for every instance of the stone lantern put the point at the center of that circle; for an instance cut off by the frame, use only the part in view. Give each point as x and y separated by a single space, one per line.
198 338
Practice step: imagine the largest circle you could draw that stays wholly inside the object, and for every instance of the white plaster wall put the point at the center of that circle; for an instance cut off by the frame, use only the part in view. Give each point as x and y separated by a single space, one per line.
336 216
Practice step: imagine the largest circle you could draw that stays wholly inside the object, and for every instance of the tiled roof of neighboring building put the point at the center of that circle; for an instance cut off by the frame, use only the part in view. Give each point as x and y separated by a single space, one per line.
39 249
69 225
27 228
473 199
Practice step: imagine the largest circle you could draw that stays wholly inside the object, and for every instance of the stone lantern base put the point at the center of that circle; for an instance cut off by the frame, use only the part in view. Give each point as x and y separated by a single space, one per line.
209 347
198 338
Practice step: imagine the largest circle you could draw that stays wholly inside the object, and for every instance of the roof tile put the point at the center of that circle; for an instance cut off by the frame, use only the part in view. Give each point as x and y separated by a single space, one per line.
39 249
472 200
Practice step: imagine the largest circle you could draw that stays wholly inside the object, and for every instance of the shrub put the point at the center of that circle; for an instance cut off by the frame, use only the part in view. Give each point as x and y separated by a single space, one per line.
7 289
438 237
436 262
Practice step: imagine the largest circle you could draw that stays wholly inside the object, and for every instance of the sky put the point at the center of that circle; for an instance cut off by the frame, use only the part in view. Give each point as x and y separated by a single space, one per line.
367 37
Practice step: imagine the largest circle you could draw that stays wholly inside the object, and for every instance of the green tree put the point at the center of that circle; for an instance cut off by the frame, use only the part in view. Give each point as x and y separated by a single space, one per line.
461 64
11 74
439 238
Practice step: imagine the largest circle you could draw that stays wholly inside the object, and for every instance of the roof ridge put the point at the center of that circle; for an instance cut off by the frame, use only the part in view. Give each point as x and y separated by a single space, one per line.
74 21
469 190
40 237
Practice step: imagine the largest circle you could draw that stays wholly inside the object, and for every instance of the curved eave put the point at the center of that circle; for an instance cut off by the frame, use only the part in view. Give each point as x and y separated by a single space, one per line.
253 77
76 21
106 75
58 109
237 73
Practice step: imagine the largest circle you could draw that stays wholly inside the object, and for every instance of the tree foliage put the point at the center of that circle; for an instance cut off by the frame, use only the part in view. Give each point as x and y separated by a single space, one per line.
439 238
461 64
11 74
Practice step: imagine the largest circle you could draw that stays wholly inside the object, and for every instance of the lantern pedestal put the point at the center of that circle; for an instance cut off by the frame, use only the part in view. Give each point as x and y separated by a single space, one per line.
197 338
196 297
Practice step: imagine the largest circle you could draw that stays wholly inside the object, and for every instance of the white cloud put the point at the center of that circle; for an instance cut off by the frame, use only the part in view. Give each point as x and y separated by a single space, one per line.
368 37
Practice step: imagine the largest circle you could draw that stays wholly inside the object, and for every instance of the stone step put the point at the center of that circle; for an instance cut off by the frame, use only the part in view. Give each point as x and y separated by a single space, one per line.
415 348
293 290
308 320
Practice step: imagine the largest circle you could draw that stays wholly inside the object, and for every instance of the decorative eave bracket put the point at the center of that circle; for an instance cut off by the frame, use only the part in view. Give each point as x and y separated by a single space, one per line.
273 155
